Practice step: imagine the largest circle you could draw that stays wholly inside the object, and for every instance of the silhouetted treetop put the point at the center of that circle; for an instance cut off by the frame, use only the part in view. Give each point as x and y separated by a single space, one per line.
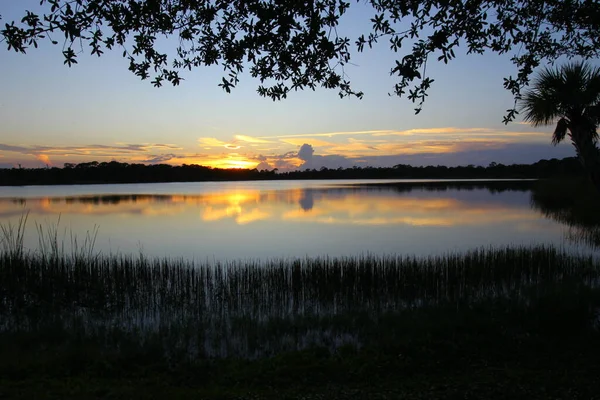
117 172
294 44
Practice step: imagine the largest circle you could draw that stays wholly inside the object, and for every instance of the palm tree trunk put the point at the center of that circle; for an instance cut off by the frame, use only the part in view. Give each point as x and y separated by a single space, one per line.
588 154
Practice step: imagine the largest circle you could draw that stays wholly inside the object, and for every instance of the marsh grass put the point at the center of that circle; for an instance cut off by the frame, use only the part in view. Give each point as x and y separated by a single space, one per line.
12 235
182 310
52 240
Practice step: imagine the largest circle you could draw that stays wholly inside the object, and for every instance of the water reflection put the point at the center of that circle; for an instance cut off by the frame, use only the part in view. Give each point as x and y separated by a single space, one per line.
573 204
376 205
242 222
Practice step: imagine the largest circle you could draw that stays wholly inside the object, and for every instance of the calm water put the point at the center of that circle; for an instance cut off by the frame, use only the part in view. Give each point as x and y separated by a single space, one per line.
242 220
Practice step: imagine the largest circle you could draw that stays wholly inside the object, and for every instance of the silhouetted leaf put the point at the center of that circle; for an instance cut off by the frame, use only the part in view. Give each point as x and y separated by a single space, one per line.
289 44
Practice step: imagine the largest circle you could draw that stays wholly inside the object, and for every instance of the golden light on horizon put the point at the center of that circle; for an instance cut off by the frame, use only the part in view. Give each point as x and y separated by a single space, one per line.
242 150
227 162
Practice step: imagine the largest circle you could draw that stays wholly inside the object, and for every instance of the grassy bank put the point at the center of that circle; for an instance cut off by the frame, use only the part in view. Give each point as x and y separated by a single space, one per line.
490 323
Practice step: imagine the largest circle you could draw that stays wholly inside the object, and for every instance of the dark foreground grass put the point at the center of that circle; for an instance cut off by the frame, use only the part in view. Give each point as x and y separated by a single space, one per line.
491 323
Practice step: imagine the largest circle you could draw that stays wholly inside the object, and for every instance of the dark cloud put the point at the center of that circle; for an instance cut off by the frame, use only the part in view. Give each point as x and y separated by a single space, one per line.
15 149
332 162
306 153
282 162
284 165
264 165
312 161
512 153
289 154
157 159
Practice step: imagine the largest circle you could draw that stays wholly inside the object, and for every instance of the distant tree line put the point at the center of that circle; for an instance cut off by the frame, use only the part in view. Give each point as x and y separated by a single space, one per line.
116 172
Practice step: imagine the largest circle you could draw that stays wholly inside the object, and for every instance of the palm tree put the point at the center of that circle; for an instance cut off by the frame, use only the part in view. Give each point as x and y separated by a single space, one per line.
570 97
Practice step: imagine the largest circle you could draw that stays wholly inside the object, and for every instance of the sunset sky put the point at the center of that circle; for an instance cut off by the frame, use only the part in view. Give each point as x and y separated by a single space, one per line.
98 110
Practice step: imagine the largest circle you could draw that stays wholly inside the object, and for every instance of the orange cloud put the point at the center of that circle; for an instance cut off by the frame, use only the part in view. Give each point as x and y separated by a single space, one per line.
43 158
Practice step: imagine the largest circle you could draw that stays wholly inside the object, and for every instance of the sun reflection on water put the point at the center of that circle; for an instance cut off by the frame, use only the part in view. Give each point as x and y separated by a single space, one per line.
321 206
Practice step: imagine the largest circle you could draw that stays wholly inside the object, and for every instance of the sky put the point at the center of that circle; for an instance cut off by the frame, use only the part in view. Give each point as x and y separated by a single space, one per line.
99 111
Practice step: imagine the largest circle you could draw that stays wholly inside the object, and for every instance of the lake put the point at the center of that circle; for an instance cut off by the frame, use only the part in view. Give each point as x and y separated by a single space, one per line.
221 221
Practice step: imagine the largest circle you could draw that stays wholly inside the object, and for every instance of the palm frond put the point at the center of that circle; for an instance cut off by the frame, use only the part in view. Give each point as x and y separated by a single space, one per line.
542 104
592 113
571 92
590 95
539 108
581 88
560 132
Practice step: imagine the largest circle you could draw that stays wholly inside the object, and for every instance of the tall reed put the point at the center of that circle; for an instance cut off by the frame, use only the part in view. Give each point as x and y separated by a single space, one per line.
258 308
12 237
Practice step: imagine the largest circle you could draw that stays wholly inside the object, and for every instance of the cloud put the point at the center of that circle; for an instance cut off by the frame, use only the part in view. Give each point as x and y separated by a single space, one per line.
211 142
95 149
332 161
306 159
508 153
522 123
148 146
306 152
284 162
124 152
16 149
250 139
435 131
302 140
43 158
99 149
214 142
423 153
449 133
374 143
221 160
344 149
328 134
160 158
264 165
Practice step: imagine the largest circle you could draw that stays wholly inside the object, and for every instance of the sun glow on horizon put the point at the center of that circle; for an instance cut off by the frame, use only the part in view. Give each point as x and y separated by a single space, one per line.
285 152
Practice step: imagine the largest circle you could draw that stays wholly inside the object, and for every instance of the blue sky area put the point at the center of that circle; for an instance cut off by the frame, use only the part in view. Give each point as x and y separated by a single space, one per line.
98 110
